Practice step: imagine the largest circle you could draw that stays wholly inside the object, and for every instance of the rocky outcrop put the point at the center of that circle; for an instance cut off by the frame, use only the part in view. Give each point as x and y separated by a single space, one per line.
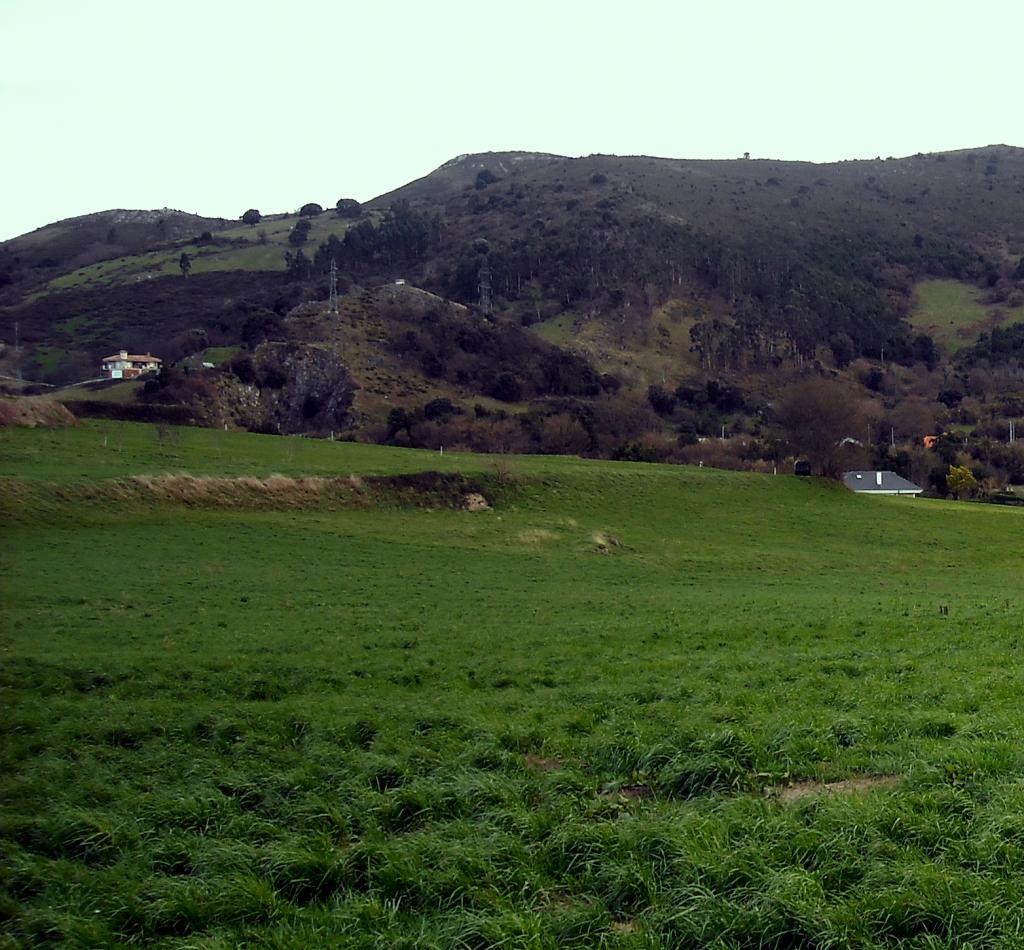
287 388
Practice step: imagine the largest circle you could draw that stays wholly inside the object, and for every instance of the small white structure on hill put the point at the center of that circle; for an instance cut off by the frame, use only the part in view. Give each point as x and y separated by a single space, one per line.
880 483
125 365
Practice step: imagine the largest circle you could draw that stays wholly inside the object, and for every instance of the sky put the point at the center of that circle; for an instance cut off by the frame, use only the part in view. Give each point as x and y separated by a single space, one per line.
216 106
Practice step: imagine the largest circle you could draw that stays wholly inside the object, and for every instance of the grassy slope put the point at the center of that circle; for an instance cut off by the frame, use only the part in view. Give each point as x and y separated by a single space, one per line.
206 258
951 313
656 351
427 728
943 308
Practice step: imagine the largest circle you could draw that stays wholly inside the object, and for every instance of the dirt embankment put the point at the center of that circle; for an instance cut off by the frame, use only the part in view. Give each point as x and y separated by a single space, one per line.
274 492
33 411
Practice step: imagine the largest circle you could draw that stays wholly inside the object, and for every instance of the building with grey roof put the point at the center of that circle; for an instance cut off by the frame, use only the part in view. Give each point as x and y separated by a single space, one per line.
880 483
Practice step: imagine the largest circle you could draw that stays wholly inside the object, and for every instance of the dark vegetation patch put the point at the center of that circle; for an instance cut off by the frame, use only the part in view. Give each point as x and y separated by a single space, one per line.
161 315
169 414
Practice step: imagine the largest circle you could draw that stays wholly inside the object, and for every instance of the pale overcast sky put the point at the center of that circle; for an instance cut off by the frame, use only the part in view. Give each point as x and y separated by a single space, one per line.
214 106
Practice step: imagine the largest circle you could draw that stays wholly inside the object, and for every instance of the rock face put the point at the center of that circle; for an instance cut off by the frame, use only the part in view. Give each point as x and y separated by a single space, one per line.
474 501
292 388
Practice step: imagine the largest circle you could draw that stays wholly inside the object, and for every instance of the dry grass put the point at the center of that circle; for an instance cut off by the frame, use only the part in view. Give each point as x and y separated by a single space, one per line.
536 536
273 492
858 785
33 411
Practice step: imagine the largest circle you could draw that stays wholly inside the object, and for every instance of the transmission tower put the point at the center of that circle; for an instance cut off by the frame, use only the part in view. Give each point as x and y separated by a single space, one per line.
485 288
332 306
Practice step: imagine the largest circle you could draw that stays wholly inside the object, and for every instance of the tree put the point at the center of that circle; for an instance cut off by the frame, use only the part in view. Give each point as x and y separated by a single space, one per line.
400 420
348 208
185 263
299 234
252 217
818 415
662 401
506 388
310 210
842 349
960 481
298 266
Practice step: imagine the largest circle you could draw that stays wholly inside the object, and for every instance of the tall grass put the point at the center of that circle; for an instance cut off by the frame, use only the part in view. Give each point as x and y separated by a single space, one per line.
405 726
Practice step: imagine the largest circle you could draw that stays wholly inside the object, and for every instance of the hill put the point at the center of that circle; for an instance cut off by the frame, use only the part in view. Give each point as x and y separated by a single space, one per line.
644 280
73 243
351 706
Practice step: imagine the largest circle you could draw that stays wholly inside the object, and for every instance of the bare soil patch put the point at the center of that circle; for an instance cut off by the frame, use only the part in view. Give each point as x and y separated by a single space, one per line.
605 543
34 411
858 785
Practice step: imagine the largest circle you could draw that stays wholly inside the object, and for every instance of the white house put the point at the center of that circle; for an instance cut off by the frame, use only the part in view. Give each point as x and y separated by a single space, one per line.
125 365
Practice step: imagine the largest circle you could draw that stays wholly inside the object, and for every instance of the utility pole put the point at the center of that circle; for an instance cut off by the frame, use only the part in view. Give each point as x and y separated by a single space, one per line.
17 352
1013 432
332 306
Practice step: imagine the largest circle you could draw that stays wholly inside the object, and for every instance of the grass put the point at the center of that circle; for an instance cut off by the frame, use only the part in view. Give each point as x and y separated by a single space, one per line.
120 391
655 350
952 313
207 258
47 359
547 725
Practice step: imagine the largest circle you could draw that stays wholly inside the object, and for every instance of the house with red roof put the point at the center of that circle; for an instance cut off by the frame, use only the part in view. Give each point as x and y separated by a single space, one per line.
125 365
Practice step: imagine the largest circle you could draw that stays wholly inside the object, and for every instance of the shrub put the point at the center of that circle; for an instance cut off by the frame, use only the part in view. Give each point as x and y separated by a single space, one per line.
662 401
506 387
311 210
439 408
484 178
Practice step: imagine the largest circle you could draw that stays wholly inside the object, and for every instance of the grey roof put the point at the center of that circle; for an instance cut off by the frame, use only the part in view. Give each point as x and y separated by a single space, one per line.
888 484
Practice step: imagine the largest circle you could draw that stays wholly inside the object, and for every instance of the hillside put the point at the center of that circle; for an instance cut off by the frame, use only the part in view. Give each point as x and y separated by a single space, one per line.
644 280
296 689
34 258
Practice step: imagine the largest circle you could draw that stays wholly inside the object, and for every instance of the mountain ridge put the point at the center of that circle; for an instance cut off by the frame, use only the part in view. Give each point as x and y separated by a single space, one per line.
646 279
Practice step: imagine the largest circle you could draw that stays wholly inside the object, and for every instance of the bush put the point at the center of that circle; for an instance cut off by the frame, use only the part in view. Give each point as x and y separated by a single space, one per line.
310 210
662 401
507 388
439 408
299 234
241 367
484 178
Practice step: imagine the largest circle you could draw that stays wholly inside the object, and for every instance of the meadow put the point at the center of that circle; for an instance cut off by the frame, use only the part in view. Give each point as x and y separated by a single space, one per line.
267 256
629 706
953 313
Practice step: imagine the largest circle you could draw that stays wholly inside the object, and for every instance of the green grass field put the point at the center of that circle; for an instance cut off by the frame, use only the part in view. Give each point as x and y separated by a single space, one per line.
952 313
606 713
